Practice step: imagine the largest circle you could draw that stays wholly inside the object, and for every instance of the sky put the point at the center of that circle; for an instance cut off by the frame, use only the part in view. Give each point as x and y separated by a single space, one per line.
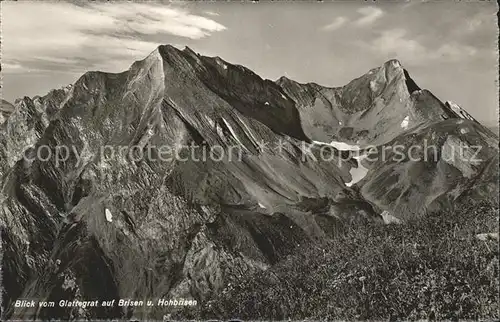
449 48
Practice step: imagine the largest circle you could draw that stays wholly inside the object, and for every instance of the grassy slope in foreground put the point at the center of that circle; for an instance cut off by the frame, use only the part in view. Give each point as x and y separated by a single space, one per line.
430 268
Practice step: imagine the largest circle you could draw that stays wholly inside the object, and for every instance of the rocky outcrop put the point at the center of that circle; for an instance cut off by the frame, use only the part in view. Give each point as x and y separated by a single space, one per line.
460 112
6 109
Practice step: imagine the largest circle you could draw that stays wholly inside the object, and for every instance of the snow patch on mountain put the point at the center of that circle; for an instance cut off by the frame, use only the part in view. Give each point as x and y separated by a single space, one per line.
233 132
341 146
249 132
405 122
109 215
357 174
389 219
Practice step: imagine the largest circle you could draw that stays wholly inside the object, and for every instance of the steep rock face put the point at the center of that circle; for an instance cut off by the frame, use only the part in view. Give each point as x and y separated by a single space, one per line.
460 112
51 102
25 123
136 206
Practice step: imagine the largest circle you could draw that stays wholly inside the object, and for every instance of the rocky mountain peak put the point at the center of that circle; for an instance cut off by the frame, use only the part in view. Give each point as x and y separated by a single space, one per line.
392 68
394 63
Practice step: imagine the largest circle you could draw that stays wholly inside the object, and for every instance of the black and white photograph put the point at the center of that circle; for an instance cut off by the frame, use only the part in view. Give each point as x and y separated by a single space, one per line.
249 160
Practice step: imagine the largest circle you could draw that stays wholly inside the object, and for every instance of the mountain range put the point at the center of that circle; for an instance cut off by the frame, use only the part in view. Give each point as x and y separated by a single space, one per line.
313 159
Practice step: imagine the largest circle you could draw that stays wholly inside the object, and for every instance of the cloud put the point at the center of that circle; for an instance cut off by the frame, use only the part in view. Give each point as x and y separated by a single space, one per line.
13 67
370 15
453 51
393 41
106 36
336 24
396 43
